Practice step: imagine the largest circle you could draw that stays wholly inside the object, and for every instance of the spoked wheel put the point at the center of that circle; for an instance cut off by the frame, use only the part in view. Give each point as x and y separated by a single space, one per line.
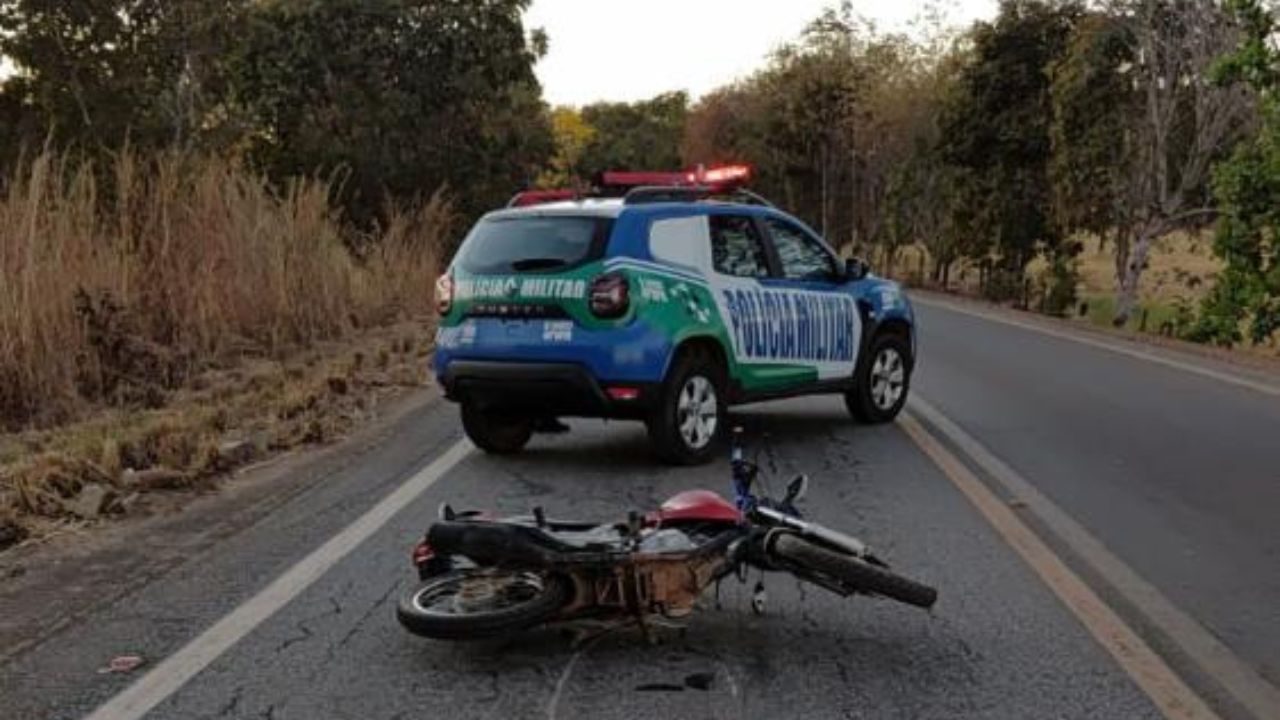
851 572
481 603
883 381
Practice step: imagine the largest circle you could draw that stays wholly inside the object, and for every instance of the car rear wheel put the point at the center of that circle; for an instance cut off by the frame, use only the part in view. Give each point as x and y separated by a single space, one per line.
883 381
494 430
689 419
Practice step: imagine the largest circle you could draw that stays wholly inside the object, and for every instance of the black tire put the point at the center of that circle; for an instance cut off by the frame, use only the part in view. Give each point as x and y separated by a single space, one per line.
865 402
495 431
480 623
694 371
851 572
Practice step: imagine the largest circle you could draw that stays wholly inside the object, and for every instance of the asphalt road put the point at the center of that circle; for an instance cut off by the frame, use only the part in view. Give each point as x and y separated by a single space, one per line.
1175 472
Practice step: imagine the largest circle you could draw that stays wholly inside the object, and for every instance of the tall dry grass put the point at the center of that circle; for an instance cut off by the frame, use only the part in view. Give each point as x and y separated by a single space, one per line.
117 282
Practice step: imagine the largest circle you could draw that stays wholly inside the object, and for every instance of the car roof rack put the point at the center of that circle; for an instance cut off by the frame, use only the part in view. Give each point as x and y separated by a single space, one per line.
650 194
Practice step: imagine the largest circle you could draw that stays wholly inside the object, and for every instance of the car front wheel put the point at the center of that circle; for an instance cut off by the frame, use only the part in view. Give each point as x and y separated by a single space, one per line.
883 381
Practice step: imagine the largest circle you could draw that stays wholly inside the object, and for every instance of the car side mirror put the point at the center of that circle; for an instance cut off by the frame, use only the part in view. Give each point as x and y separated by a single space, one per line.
855 269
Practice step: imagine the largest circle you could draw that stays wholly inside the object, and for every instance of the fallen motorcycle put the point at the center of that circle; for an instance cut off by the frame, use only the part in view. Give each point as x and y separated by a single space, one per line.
482 577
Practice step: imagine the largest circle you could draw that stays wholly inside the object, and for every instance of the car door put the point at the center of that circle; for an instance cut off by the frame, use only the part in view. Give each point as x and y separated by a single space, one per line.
740 265
821 325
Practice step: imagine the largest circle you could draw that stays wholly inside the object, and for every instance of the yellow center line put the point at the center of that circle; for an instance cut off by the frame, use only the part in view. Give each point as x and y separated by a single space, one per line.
1171 696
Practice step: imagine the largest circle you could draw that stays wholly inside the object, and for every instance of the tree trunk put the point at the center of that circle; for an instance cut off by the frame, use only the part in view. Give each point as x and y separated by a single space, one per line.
1122 250
1137 262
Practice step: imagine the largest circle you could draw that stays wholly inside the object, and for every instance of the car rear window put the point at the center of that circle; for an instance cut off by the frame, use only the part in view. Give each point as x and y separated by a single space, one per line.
533 244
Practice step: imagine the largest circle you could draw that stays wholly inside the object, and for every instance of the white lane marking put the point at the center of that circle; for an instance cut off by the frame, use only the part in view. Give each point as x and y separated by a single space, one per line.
733 683
1213 657
553 707
1167 692
176 670
1220 376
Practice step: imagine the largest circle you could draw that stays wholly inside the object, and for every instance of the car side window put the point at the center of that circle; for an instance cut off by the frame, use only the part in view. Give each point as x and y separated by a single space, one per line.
737 248
802 257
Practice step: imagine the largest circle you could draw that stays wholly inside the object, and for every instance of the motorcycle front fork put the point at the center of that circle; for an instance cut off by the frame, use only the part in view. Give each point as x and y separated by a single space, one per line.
759 598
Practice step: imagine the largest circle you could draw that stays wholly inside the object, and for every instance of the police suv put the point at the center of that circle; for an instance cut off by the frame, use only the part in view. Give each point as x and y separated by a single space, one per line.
667 305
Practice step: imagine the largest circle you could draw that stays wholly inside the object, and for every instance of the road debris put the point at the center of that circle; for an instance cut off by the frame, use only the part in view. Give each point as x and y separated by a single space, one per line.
122 664
90 502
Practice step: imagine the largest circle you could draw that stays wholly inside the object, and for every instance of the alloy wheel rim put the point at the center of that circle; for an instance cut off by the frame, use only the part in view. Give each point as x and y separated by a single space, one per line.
888 378
697 412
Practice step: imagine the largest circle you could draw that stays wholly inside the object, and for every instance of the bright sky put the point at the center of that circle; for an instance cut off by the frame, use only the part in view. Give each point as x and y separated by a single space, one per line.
628 50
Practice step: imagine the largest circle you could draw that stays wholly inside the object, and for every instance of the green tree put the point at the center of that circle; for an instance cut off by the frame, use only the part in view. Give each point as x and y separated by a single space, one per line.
572 137
1094 145
100 73
1183 125
997 132
643 135
830 124
1247 189
402 95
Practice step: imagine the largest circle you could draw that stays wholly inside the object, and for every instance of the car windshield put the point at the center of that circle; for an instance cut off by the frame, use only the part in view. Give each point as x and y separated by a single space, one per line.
533 244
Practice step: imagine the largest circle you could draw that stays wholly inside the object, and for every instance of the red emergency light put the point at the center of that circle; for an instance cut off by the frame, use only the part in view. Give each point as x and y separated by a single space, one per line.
726 175
629 179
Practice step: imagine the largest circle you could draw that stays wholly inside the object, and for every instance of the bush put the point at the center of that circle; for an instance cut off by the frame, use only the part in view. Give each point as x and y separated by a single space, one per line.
1063 279
115 281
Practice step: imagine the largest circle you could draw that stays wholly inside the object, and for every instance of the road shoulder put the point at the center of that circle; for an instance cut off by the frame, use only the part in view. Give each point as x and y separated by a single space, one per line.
62 580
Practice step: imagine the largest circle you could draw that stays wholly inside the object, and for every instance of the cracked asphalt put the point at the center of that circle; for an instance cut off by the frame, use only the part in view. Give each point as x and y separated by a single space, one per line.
998 645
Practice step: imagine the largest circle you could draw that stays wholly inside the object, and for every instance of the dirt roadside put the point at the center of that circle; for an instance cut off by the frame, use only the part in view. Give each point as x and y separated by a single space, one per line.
62 579
119 462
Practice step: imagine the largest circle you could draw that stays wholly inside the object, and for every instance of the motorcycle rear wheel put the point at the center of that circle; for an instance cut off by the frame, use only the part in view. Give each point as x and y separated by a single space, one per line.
475 604
852 572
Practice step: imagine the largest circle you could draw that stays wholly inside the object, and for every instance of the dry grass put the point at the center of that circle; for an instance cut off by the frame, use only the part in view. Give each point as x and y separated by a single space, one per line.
1181 270
1181 266
140 304
192 259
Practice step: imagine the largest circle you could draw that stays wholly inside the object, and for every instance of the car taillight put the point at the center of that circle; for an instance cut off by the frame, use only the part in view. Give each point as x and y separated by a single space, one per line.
444 294
610 296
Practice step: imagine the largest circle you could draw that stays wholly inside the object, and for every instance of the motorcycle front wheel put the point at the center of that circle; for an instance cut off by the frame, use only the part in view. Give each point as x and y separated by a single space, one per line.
851 572
475 604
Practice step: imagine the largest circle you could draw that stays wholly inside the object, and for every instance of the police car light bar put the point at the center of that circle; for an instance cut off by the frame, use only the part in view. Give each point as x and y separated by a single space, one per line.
723 177
618 183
